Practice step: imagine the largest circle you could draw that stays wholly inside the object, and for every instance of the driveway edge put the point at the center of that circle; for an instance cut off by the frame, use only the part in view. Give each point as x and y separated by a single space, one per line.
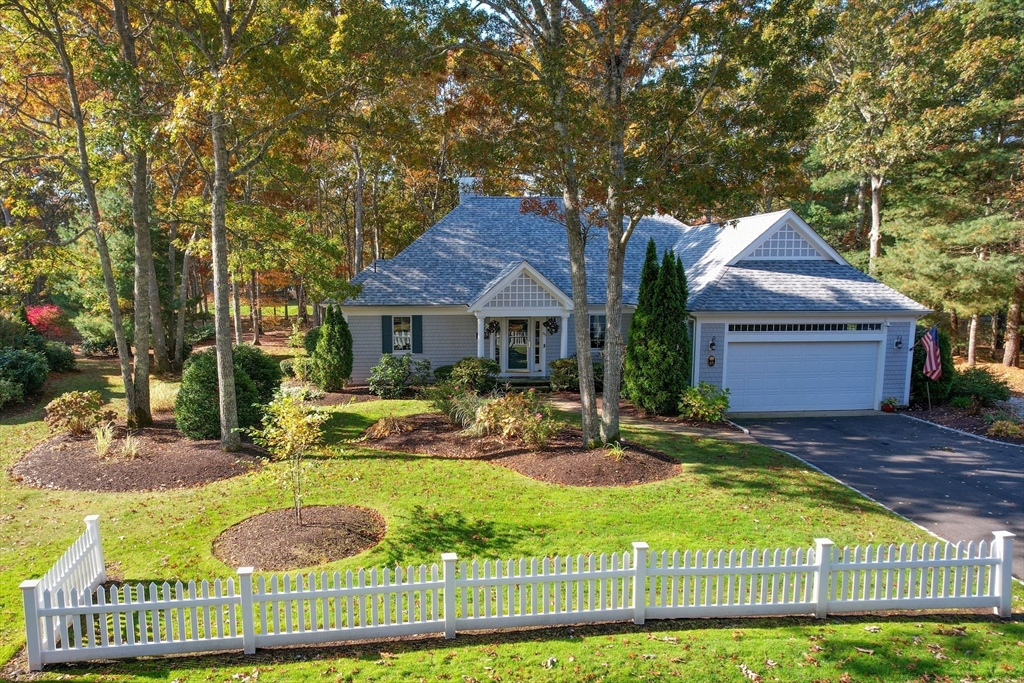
960 431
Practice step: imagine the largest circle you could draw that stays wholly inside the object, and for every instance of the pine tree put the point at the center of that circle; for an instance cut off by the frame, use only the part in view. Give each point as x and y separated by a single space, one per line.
637 346
682 329
332 359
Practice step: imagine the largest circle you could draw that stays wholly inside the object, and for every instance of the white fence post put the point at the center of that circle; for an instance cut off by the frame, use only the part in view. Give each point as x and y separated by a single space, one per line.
1002 548
449 560
92 523
822 575
248 619
33 637
639 581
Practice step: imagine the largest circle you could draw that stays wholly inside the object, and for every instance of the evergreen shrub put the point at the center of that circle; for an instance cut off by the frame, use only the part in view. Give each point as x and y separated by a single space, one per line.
197 406
921 386
565 374
262 368
310 340
978 384
332 357
390 377
10 392
476 374
59 356
27 368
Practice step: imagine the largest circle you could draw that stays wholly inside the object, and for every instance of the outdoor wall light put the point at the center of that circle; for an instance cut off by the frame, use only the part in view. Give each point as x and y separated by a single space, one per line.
899 341
712 346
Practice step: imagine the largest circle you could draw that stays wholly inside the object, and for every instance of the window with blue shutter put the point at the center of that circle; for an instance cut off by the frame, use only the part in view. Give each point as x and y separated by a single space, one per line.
417 334
386 334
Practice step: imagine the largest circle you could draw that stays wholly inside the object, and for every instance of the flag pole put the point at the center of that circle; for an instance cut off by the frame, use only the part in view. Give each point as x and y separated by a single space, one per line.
928 390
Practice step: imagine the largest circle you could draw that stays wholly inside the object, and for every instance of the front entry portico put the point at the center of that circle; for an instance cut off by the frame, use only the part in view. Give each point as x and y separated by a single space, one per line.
513 319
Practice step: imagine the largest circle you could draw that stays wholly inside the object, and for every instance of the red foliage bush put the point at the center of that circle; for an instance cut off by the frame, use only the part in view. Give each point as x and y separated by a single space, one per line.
50 320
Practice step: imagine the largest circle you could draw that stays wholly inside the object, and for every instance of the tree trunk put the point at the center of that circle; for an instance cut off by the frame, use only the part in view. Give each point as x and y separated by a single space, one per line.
972 341
300 294
179 336
1011 341
862 215
357 247
876 222
143 248
994 331
254 307
156 320
376 221
84 171
236 310
229 437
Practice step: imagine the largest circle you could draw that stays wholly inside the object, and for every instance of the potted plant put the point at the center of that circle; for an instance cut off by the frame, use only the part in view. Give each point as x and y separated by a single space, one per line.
890 404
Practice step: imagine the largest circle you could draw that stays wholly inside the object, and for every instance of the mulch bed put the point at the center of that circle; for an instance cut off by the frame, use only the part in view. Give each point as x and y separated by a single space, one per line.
959 419
273 541
627 409
354 394
166 460
563 462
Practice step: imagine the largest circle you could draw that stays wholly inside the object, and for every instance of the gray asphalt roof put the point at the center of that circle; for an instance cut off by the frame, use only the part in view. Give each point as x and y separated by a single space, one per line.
456 260
799 286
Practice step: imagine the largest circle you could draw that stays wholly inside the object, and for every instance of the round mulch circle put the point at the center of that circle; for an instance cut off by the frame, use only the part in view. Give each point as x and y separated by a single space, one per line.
564 461
273 541
165 460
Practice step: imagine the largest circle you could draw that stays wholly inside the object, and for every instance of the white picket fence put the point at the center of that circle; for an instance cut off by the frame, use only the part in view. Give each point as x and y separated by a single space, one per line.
74 619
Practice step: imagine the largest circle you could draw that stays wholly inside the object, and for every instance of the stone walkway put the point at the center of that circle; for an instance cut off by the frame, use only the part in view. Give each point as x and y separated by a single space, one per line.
725 434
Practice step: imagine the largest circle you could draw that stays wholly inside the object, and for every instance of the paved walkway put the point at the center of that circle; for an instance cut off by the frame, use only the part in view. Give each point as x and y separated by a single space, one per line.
725 434
958 487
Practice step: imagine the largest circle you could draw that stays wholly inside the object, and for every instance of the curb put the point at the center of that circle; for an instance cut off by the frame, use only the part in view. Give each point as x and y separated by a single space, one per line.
961 432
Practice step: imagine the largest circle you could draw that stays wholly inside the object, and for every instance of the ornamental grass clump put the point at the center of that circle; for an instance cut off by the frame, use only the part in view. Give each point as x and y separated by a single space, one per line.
104 435
519 416
76 412
291 429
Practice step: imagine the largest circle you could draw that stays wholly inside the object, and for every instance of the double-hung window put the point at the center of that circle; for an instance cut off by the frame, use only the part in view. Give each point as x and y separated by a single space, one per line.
401 333
598 325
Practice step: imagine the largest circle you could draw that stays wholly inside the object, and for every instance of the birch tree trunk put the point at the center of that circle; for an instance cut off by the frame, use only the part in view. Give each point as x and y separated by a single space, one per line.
972 341
876 222
1011 341
229 437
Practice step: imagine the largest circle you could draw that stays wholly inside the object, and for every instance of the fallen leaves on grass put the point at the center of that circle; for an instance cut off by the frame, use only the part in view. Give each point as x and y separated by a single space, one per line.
749 674
873 629
864 650
550 663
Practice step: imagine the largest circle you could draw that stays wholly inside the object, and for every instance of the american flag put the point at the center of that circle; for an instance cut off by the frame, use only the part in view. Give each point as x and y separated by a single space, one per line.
932 362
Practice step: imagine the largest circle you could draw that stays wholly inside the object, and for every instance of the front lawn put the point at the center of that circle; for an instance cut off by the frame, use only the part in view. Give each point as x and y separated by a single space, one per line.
728 495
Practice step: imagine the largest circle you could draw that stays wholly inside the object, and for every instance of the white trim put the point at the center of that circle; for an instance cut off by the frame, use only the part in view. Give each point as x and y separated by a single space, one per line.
695 351
836 316
880 373
909 350
801 227
536 275
404 310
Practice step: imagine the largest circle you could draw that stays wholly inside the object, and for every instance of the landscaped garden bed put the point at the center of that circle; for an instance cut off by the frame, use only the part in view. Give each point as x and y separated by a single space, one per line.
164 459
562 461
973 422
275 541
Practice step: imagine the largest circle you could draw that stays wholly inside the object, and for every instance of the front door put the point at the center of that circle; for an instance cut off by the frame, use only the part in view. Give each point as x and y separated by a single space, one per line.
518 345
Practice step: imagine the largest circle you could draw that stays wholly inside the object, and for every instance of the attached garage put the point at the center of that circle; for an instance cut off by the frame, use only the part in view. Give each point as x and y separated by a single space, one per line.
769 376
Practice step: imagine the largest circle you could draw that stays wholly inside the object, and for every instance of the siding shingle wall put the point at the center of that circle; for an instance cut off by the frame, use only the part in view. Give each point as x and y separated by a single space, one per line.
446 339
705 373
894 377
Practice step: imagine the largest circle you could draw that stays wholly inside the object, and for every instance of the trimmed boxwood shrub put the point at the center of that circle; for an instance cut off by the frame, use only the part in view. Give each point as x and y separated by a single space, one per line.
476 374
197 407
288 367
565 374
443 373
312 337
27 368
59 357
262 368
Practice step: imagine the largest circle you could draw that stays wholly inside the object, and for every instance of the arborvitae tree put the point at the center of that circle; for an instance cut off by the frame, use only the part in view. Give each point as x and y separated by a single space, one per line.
332 360
633 374
660 370
683 330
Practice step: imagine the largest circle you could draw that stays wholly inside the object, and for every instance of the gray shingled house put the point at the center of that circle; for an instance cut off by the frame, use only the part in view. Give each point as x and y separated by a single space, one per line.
776 315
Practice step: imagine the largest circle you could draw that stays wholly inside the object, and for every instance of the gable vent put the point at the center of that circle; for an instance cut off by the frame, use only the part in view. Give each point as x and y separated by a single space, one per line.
786 243
523 292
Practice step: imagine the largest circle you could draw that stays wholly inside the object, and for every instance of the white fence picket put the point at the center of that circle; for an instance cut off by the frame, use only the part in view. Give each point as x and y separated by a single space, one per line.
70 617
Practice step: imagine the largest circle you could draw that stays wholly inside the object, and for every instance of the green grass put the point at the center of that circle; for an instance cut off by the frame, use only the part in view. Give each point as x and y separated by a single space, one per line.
729 495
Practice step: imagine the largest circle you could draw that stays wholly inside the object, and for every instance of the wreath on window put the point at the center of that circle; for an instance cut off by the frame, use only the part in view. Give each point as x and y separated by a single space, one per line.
551 325
492 327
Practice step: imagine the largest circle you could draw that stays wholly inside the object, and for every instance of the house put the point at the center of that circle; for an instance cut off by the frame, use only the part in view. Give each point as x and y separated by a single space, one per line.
777 315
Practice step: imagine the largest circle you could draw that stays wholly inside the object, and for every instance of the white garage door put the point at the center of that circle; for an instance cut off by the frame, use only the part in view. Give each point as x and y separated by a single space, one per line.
779 376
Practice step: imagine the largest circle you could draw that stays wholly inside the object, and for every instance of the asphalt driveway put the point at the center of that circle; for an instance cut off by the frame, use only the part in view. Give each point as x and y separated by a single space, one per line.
958 487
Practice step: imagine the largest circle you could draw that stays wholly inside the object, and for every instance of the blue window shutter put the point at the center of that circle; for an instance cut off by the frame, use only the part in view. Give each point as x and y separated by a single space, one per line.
417 334
386 334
